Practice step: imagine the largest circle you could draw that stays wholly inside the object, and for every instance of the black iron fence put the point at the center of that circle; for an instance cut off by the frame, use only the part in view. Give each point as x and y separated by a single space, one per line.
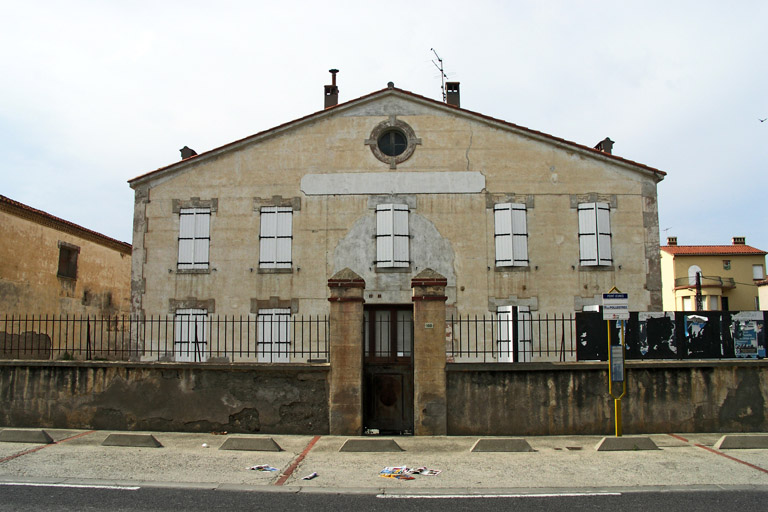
275 338
516 336
675 335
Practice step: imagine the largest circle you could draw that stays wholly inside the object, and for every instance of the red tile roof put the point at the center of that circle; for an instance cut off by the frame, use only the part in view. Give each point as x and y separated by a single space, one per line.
711 250
283 126
46 219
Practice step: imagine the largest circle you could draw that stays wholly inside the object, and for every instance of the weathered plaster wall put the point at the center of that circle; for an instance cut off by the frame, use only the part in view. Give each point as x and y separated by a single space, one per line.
554 399
285 399
334 230
29 259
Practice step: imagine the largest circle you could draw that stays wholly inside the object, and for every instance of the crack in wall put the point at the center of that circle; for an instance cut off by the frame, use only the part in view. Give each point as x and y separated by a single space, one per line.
466 154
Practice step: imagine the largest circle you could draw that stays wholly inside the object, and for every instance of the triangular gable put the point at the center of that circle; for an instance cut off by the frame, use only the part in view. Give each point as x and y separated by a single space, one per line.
377 95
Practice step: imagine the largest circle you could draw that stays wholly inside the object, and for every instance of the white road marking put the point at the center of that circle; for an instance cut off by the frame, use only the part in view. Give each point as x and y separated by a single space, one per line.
73 486
486 496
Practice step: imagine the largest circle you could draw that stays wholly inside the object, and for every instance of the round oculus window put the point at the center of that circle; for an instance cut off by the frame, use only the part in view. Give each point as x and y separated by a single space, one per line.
393 143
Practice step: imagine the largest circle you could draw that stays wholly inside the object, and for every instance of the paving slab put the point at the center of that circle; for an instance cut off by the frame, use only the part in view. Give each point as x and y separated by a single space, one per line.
617 444
132 440
252 444
9 435
742 441
370 445
501 445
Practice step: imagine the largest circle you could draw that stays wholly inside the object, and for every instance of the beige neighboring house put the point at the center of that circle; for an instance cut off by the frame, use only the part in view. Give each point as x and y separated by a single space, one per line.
762 294
49 266
729 276
388 185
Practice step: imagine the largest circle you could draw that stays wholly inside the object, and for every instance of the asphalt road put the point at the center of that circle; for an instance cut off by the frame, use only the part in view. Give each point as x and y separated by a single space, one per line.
20 498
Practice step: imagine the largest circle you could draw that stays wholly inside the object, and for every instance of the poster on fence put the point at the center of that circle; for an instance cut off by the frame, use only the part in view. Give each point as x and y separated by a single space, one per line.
748 333
656 335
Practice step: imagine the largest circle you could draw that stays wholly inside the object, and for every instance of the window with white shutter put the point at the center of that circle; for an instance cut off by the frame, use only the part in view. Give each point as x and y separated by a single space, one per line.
194 238
595 234
276 237
274 332
511 235
190 335
392 235
507 331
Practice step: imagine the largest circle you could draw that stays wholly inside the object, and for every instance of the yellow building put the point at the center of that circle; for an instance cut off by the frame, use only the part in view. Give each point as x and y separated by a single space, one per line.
728 276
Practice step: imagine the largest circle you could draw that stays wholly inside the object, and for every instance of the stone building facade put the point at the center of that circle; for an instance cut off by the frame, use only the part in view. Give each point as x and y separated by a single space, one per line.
510 216
390 213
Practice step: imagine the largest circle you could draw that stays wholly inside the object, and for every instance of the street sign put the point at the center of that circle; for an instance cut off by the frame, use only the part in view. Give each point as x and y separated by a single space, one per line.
615 306
617 363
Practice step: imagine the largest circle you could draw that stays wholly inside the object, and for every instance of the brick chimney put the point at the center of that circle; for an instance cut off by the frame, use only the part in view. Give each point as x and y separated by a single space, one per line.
739 240
331 91
452 94
672 241
186 152
605 145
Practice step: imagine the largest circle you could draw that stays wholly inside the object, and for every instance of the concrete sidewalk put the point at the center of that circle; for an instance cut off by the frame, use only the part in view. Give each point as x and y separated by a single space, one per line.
561 463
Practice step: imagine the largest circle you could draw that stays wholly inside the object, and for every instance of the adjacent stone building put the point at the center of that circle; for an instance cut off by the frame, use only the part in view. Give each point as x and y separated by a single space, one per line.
50 266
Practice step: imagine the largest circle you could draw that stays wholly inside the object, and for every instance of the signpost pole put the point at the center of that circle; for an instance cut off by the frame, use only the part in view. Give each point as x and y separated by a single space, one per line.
615 307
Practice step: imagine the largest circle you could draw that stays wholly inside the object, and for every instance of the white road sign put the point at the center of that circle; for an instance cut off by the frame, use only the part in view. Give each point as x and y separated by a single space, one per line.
615 306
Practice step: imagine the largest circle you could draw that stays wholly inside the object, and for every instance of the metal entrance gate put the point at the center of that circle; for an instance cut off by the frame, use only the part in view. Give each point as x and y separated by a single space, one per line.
388 369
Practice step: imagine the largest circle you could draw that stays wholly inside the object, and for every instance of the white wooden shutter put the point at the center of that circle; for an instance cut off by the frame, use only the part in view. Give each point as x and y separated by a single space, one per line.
194 237
511 234
587 234
284 229
524 335
507 332
275 237
274 343
604 256
190 336
384 235
503 234
186 239
504 352
392 238
400 235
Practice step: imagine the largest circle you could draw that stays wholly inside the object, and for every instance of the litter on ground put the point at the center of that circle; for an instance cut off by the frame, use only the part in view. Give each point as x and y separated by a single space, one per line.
405 473
262 467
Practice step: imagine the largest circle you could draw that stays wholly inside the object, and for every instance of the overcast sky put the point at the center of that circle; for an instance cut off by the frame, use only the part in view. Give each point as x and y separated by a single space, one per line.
95 93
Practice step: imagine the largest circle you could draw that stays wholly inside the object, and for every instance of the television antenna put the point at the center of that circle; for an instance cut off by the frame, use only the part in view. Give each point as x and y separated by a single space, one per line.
443 76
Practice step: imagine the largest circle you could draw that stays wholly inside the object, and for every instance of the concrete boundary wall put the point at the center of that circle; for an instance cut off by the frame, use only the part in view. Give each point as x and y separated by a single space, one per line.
572 398
274 399
482 399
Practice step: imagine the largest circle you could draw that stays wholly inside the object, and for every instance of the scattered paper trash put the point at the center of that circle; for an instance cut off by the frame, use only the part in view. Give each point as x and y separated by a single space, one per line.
262 467
406 473
205 445
399 472
310 477
426 471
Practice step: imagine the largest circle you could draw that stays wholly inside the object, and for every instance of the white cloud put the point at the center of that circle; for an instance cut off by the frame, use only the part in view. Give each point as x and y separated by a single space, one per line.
102 92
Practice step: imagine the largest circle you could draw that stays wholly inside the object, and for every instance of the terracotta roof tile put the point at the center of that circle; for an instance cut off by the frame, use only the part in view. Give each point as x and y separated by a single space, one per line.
711 250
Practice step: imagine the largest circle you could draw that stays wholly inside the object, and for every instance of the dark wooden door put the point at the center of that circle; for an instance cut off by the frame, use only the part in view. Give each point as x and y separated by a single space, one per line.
388 369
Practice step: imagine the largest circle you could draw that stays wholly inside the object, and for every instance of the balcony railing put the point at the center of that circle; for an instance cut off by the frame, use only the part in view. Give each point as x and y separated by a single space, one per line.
706 282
